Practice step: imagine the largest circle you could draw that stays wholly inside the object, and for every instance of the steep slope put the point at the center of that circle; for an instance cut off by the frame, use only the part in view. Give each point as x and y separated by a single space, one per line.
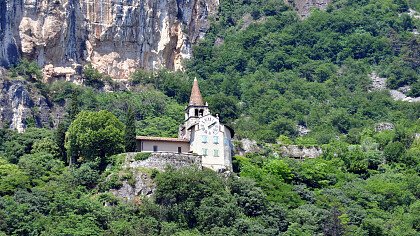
303 7
115 36
23 105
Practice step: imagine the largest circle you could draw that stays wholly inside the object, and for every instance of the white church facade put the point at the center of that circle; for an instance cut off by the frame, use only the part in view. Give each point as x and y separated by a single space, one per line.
201 134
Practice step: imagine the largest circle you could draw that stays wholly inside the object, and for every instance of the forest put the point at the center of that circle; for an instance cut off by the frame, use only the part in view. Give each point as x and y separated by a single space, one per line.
266 72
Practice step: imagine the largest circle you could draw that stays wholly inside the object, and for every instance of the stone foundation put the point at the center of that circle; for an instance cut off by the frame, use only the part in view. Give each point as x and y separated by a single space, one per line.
161 160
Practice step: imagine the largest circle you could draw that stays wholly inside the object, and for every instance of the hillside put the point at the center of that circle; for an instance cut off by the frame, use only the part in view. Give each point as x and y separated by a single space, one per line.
279 76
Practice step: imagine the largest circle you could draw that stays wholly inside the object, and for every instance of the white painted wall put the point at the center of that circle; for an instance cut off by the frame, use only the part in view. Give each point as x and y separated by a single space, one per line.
163 146
223 160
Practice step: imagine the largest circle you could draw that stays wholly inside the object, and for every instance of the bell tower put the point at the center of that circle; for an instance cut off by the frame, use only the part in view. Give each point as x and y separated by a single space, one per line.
196 108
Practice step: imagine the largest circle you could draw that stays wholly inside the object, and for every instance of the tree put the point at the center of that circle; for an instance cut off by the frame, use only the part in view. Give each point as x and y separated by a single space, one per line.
225 106
11 177
92 77
41 167
74 109
130 130
250 198
29 70
95 135
46 145
60 138
180 192
217 211
394 151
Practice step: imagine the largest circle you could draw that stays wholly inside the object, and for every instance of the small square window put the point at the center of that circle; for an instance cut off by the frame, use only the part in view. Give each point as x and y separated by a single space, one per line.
216 139
204 138
204 151
216 153
155 148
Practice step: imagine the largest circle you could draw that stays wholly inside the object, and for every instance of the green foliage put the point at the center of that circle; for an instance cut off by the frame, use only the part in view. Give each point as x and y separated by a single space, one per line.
181 192
172 84
158 126
28 70
11 178
15 145
130 130
394 151
60 139
225 106
74 108
41 167
268 73
92 77
141 156
95 135
284 72
86 175
46 145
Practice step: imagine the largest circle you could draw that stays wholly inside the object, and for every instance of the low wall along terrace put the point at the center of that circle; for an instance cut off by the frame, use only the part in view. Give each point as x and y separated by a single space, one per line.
160 160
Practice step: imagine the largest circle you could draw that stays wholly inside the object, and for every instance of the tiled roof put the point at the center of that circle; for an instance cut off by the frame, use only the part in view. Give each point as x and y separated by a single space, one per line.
162 139
196 99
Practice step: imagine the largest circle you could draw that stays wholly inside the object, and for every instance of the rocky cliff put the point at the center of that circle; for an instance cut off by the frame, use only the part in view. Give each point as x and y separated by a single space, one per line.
116 36
22 105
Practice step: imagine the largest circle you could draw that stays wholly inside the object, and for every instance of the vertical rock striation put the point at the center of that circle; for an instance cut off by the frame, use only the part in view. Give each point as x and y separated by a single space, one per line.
21 105
116 36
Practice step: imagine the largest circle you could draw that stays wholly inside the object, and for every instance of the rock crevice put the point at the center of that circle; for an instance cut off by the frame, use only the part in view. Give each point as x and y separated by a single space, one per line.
115 36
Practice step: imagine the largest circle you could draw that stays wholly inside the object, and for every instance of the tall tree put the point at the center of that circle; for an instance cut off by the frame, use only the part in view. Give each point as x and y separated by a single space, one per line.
74 109
130 130
60 138
93 136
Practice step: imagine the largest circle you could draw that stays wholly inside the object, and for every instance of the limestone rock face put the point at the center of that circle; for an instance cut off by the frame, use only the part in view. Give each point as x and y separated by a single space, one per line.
116 36
245 146
20 104
295 151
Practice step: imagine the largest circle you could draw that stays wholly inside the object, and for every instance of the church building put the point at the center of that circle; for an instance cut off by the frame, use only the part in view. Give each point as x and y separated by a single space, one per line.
201 133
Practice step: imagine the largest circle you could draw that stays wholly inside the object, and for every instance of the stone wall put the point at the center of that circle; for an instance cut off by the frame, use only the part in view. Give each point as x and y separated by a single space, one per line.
160 160
141 169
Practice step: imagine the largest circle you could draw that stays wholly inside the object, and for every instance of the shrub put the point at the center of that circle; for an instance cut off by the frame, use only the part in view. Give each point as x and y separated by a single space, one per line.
28 70
141 156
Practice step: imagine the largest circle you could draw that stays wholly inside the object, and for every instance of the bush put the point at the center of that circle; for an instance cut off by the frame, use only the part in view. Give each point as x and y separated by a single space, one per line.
141 156
28 70
394 151
92 77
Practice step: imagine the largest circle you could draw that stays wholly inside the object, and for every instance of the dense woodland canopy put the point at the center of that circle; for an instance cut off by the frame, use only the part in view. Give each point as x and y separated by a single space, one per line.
265 71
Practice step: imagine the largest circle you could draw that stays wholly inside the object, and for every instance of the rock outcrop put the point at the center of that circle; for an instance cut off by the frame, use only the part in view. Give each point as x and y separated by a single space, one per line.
143 184
304 7
383 126
116 36
400 94
296 151
245 146
22 105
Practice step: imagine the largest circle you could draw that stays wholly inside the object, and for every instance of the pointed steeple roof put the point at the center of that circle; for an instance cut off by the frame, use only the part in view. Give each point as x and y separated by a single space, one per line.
196 99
